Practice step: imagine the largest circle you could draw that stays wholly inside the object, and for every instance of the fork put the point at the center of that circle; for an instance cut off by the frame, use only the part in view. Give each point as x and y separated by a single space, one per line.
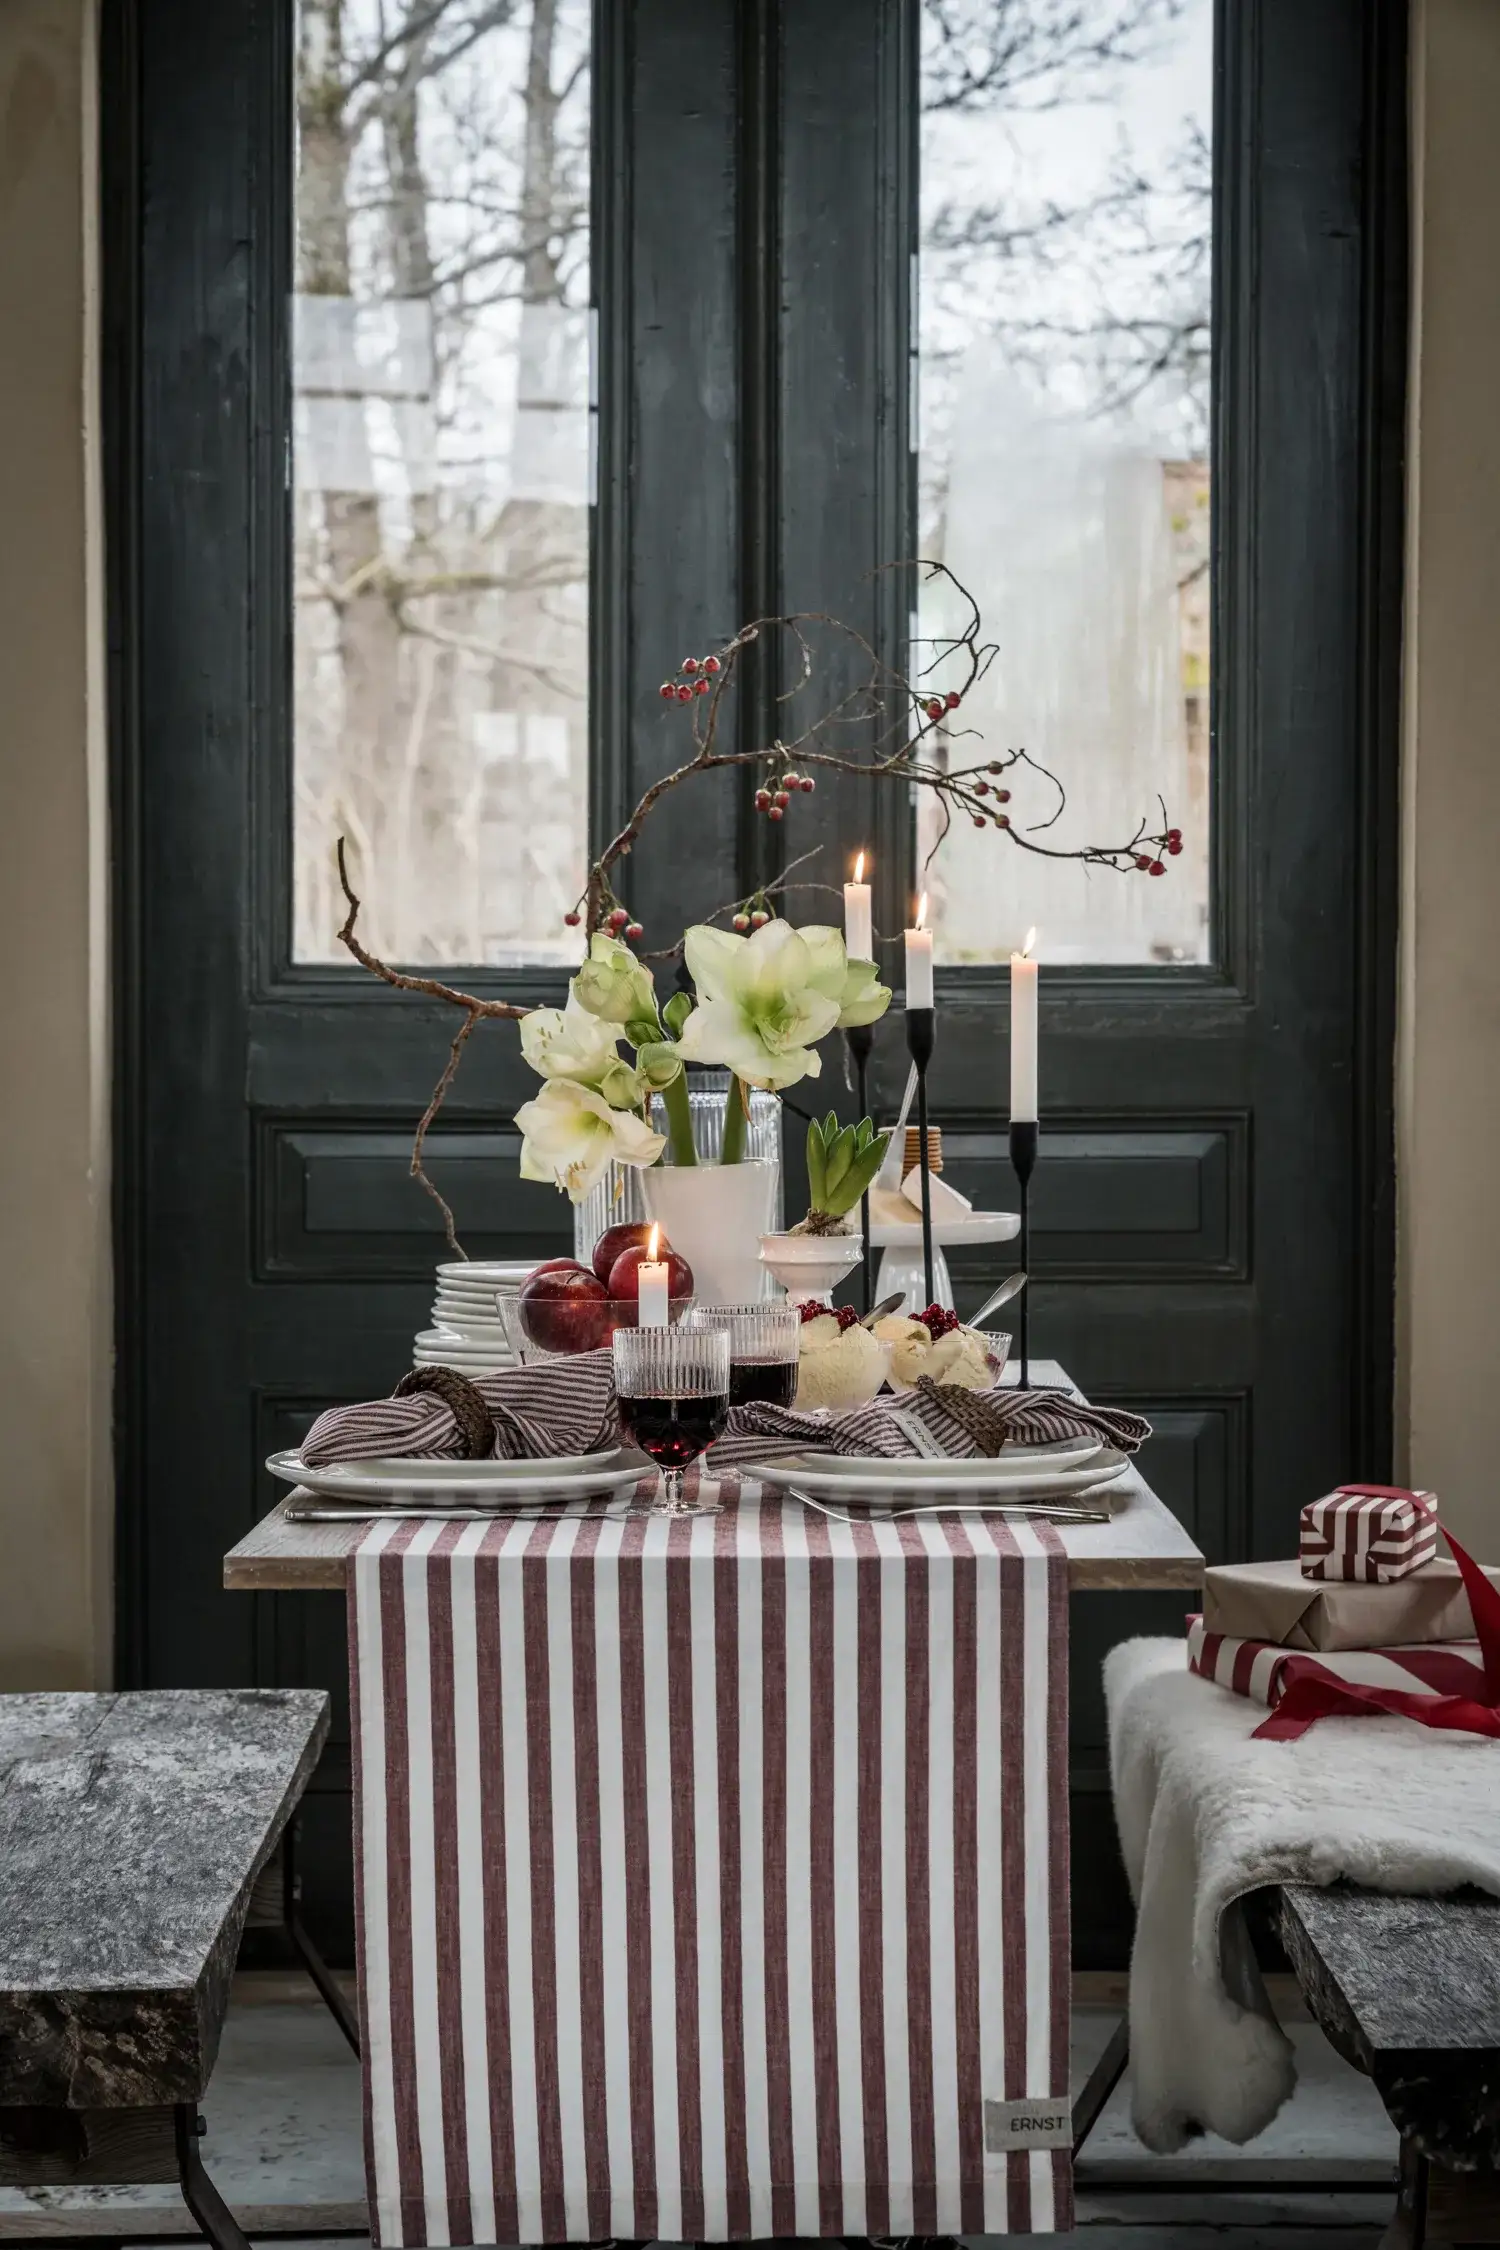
462 1515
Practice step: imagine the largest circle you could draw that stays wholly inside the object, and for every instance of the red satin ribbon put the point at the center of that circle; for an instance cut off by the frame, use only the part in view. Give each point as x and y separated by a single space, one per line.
1311 1698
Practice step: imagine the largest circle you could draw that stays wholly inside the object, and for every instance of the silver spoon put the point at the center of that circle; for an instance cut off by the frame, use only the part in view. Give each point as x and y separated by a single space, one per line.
1011 1287
886 1304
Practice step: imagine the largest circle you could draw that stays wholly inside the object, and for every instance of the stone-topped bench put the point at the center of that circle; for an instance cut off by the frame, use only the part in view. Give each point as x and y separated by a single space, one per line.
133 1829
1408 1990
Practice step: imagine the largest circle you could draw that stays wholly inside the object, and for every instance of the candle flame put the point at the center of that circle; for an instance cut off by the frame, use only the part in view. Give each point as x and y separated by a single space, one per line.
859 868
651 1245
922 913
1030 942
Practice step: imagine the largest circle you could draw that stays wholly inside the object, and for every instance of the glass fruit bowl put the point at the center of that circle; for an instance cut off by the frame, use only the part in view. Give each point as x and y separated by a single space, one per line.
560 1331
939 1361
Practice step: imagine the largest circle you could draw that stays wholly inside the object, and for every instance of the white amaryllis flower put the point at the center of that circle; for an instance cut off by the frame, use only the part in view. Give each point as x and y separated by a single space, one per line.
613 984
571 1043
856 985
760 1008
570 1133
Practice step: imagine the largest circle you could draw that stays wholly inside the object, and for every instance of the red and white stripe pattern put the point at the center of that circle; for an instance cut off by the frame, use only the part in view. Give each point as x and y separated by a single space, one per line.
1375 1533
712 1875
1263 1670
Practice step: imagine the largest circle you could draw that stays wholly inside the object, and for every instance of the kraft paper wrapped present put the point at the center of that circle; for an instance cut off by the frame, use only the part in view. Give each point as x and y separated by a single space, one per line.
1369 1532
1272 1601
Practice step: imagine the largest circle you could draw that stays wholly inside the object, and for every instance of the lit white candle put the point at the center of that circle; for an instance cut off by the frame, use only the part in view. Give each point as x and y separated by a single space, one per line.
1023 993
651 1285
858 940
919 961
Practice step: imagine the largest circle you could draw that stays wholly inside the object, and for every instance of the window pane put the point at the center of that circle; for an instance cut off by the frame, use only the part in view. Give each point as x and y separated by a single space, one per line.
442 475
1064 476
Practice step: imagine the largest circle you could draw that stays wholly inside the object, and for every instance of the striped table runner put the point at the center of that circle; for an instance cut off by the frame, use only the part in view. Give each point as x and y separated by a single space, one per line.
712 1876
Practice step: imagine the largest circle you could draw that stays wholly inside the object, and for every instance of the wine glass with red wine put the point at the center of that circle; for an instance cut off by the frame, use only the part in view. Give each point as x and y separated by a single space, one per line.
764 1343
673 1388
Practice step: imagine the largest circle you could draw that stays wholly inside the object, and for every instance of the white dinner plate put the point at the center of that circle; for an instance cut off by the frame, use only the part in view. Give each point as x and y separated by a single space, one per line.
974 1227
838 1477
503 1273
464 1481
1016 1465
484 1364
474 1363
446 1325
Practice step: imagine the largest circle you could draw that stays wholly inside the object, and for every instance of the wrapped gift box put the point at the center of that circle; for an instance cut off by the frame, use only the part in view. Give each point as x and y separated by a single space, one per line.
1272 1601
1263 1671
1371 1533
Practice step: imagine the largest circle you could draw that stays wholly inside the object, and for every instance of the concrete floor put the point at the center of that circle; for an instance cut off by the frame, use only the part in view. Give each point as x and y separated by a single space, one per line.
284 2149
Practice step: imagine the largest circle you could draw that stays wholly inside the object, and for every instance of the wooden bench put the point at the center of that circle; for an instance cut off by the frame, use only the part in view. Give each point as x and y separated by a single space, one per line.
1408 1990
133 1832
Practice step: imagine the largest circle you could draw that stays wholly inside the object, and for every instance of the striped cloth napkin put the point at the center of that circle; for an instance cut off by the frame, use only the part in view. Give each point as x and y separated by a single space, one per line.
541 1412
967 1425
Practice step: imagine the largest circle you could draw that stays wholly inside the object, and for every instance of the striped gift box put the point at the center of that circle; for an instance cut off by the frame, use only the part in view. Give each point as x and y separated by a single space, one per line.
712 1876
1264 1671
1372 1532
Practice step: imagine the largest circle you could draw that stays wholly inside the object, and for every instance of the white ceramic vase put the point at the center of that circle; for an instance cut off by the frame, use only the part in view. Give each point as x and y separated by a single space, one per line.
810 1265
714 1216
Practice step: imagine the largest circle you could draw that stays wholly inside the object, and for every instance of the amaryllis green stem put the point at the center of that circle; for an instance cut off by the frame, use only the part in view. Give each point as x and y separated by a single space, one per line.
736 1102
679 1120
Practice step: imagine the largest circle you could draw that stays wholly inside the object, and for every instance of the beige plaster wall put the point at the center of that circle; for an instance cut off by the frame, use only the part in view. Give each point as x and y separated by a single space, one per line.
55 1511
1448 1077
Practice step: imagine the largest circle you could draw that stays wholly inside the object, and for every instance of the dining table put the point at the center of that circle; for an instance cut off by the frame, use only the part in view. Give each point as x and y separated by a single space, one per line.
712 1872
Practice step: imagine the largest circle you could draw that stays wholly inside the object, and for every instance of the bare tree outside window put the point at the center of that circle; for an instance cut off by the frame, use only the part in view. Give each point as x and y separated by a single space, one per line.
1063 444
442 474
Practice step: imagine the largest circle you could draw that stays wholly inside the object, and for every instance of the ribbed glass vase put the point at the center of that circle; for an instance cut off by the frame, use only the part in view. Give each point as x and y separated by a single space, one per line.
618 1198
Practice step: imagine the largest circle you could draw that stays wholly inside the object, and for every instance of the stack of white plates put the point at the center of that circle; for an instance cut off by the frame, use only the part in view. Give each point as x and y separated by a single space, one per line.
466 1330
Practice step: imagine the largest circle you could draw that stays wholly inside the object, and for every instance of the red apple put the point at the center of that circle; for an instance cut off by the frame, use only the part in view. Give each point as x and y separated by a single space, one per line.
614 1240
624 1274
558 1265
565 1308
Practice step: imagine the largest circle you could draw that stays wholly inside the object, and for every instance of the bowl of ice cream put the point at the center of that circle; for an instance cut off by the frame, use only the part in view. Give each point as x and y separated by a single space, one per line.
839 1363
937 1344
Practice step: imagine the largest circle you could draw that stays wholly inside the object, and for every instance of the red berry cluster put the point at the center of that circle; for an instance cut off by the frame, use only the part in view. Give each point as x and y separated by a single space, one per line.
938 706
695 677
617 921
938 1321
846 1316
1149 865
774 801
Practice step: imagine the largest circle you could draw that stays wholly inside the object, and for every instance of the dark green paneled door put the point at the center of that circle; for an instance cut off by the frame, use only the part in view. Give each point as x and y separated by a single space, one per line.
469 365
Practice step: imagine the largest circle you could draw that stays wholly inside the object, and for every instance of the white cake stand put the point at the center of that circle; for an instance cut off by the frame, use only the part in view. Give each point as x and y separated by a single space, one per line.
900 1245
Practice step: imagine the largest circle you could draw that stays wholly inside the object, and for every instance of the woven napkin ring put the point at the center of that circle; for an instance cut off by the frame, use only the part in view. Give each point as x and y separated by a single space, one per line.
462 1400
974 1416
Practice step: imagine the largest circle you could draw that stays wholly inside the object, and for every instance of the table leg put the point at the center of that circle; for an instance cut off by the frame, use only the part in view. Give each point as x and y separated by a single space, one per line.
1101 2083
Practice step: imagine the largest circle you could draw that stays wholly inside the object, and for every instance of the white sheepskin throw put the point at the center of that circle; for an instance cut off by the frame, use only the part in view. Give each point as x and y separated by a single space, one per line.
1206 1815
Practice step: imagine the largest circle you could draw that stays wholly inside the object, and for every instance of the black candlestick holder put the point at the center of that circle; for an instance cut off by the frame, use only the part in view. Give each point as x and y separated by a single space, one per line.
860 1039
1023 1149
921 1033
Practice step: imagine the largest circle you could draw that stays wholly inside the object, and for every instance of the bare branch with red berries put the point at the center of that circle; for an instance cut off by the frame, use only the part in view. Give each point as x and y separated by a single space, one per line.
910 731
475 1011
